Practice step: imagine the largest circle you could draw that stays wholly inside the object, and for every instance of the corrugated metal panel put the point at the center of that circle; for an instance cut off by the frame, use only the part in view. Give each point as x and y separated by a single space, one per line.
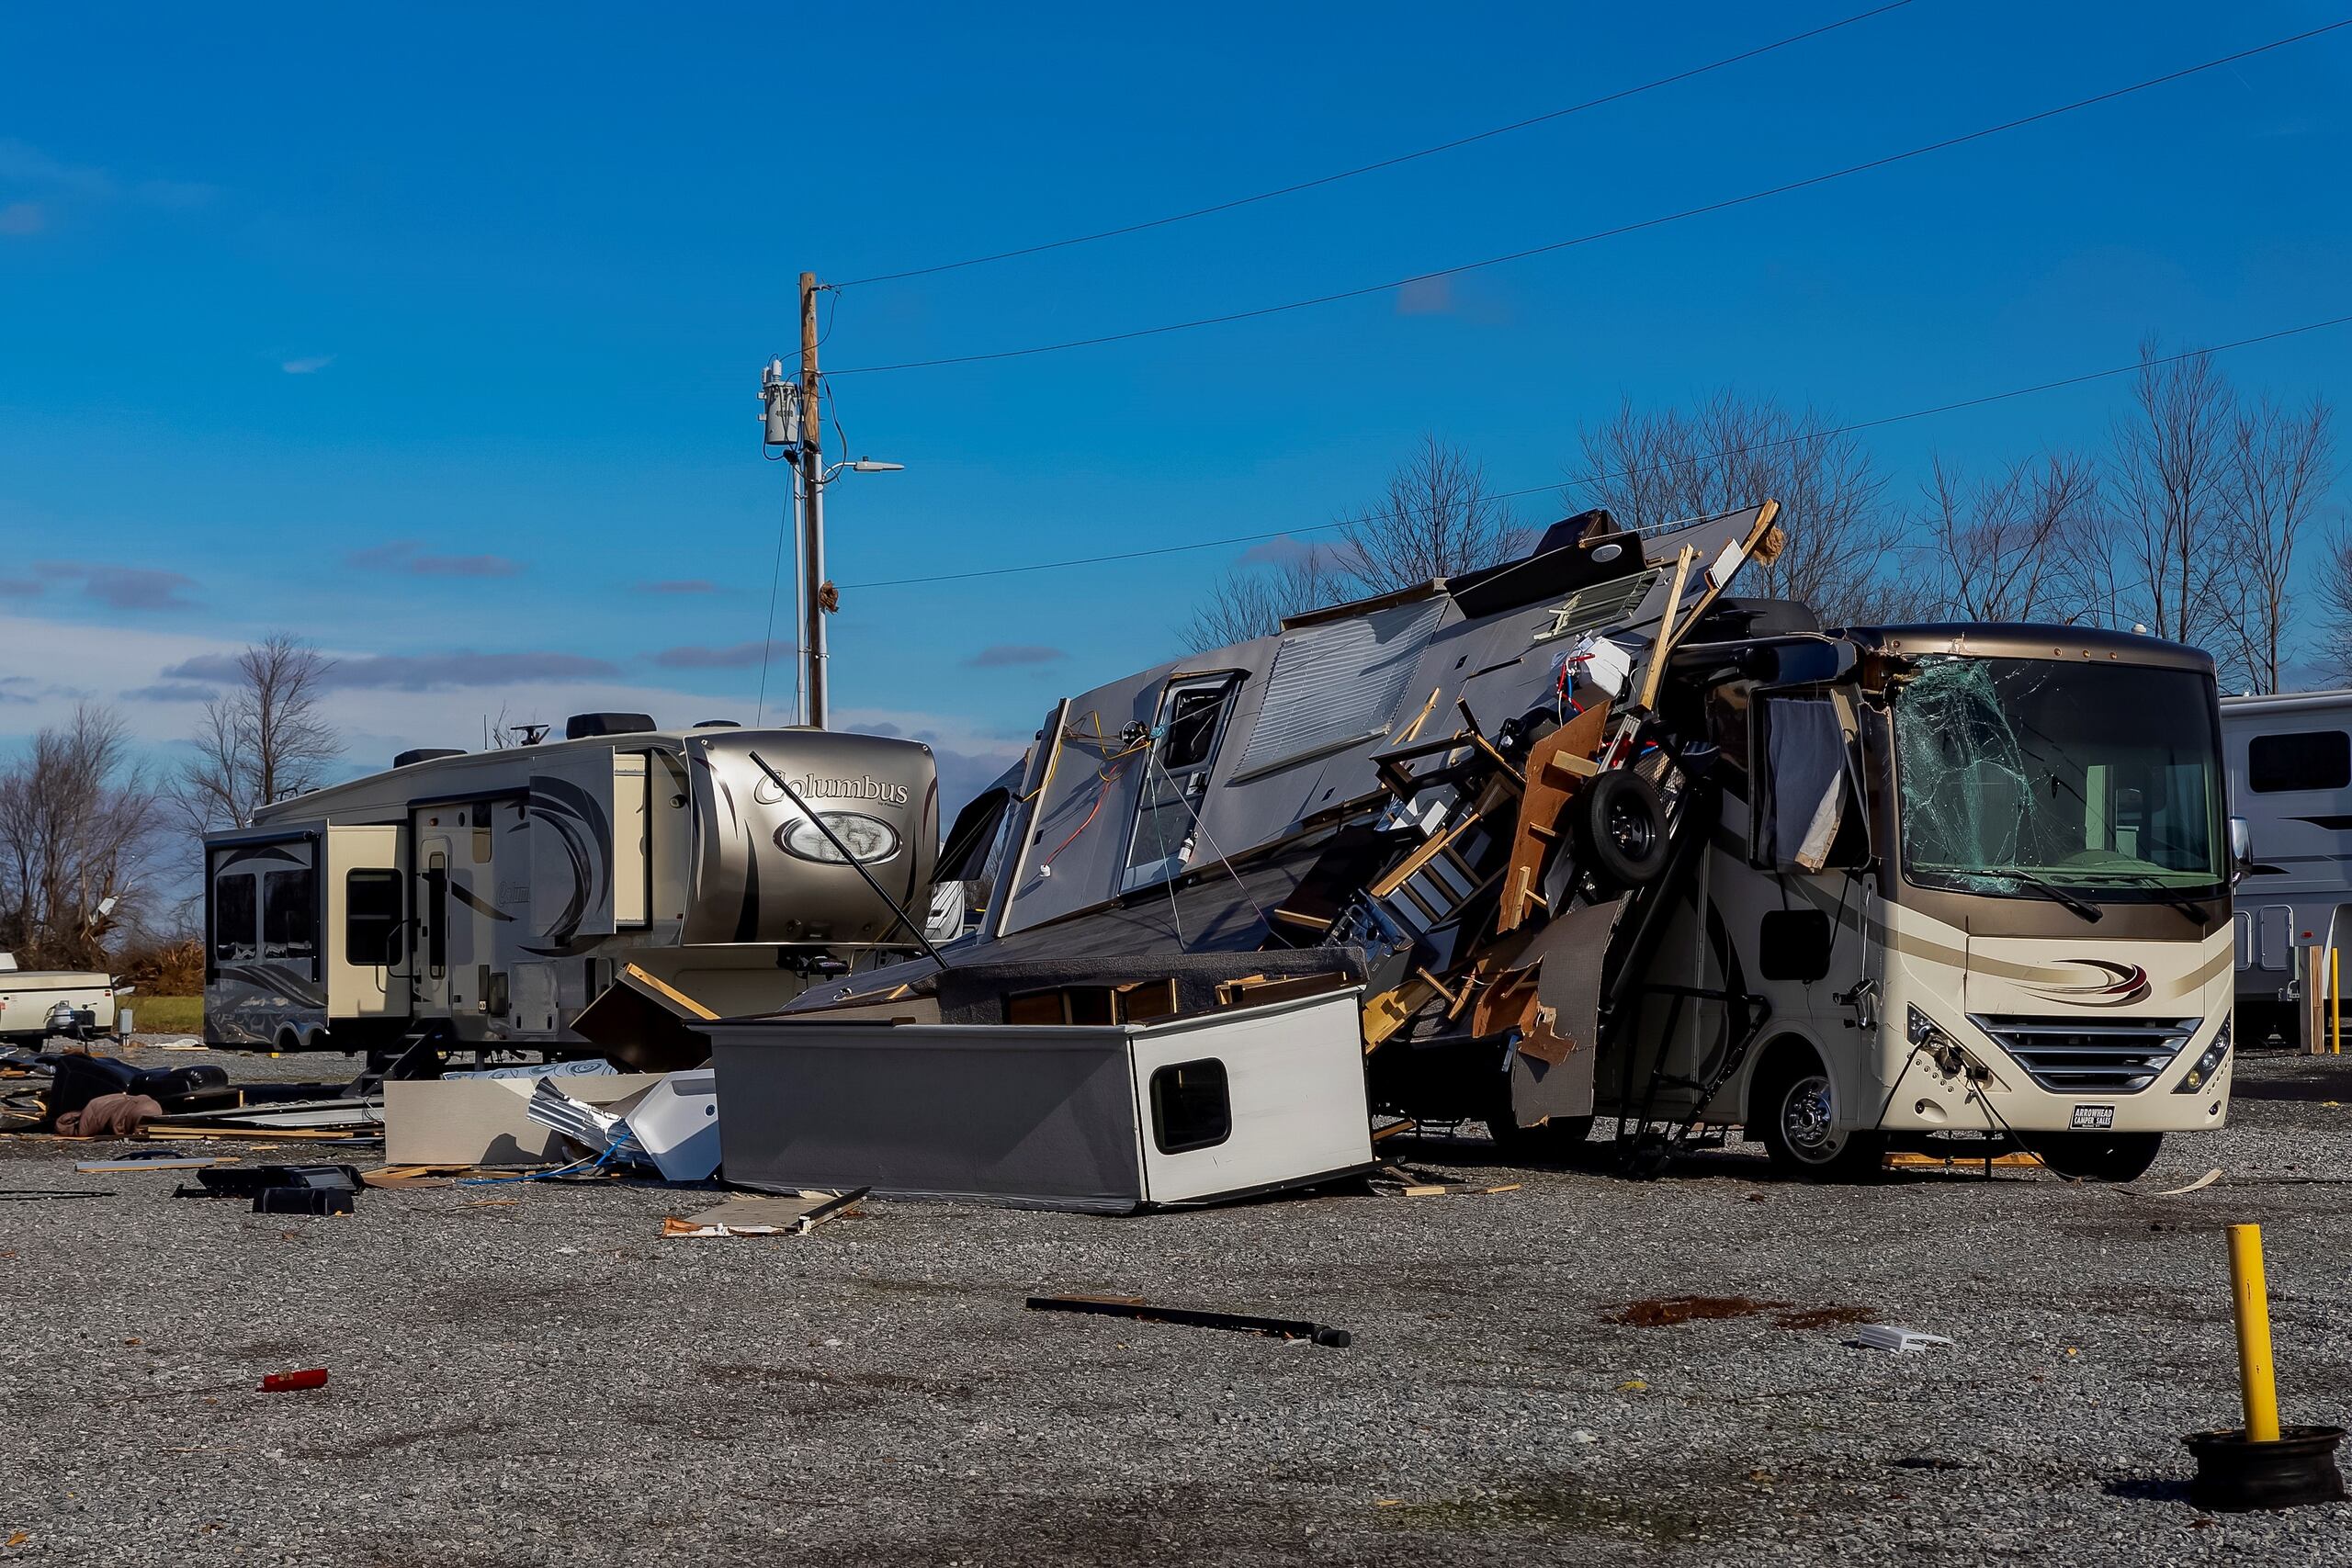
1339 682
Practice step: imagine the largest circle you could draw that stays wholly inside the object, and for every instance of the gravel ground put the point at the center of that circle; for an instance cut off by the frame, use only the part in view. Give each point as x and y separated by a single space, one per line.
527 1374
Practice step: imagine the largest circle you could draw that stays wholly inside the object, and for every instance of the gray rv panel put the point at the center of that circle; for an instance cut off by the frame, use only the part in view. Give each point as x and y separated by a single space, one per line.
1337 684
1037 1117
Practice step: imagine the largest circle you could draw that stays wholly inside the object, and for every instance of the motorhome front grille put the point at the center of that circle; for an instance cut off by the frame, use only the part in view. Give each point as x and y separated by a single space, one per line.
2102 1056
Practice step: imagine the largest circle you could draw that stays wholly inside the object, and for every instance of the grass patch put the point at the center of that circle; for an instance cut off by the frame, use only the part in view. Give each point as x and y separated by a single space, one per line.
165 1015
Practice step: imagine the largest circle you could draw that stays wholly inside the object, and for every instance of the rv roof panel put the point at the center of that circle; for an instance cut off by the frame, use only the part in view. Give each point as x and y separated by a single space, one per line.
1339 683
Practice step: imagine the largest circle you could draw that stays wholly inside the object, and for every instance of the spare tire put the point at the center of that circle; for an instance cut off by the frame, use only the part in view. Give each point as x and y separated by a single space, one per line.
1621 829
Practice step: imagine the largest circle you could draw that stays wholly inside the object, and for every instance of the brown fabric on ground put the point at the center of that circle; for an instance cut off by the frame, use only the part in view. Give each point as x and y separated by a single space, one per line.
110 1116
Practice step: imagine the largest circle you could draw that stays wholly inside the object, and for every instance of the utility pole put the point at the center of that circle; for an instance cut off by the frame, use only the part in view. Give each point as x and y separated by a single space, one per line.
817 594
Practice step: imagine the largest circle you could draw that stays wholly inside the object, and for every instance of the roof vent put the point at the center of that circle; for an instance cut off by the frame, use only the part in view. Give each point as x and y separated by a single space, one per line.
719 724
426 755
580 725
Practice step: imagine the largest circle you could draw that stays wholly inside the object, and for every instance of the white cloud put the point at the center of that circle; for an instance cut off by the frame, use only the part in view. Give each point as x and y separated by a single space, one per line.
21 217
125 663
309 364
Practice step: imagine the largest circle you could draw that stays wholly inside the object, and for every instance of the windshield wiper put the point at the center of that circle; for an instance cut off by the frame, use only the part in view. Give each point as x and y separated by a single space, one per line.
2055 894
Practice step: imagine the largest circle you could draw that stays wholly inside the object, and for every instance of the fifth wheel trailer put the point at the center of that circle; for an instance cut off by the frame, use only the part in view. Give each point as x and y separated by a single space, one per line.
485 900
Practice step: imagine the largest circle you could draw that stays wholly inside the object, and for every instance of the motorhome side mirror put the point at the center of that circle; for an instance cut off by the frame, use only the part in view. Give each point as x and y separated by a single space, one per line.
2240 849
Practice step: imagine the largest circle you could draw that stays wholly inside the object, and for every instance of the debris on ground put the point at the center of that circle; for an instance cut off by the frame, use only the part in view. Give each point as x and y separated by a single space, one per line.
289 1383
283 1188
1662 1311
1890 1338
1193 1317
765 1216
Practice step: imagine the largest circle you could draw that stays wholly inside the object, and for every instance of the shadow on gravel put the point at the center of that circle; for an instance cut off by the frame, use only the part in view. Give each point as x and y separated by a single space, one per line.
2147 1489
2310 1081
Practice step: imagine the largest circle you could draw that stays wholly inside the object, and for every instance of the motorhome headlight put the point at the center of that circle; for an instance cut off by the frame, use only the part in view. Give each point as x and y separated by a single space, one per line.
2207 1065
867 839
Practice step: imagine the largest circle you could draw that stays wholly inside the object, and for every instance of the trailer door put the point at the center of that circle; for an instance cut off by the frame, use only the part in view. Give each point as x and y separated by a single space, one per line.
431 979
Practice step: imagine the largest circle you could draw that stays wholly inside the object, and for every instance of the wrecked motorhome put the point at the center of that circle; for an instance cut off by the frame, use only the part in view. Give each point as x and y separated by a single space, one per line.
1595 838
491 899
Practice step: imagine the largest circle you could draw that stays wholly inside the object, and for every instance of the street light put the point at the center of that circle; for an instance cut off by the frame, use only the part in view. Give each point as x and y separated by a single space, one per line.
861 466
817 596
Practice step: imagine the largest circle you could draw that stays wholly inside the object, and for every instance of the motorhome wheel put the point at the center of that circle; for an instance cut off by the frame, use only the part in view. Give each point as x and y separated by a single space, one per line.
1621 829
1796 1117
2097 1156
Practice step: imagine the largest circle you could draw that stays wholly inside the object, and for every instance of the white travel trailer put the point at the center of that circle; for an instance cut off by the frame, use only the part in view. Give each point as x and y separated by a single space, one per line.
485 900
2289 759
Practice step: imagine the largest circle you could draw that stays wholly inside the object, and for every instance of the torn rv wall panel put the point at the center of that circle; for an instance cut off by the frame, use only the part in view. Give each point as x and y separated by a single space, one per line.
1108 1119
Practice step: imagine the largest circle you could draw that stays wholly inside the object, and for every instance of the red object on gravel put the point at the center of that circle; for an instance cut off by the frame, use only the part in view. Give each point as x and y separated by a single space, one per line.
282 1383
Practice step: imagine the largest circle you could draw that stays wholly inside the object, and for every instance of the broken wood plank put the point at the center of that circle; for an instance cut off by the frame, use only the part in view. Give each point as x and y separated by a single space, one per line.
1194 1317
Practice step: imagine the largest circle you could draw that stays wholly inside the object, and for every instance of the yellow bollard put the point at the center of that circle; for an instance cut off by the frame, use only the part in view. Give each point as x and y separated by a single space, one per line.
2252 1301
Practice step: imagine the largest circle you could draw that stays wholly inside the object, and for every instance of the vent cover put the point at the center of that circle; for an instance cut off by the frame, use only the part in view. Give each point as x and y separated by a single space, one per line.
1603 604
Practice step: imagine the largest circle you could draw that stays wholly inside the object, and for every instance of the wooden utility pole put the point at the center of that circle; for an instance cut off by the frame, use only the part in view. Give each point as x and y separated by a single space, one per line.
816 592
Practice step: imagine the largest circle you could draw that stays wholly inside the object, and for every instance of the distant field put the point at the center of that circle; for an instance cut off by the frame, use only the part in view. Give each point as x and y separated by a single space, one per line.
165 1015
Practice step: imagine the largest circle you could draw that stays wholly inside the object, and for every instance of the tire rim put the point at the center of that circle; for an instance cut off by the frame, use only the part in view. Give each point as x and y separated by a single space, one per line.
1807 1119
1632 830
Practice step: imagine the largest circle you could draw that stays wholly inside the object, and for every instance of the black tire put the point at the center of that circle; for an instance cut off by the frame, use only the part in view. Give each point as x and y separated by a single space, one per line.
1621 829
2097 1156
1793 1113
1548 1142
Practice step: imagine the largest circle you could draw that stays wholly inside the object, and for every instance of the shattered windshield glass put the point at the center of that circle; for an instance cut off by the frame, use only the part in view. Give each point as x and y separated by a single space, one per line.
2102 780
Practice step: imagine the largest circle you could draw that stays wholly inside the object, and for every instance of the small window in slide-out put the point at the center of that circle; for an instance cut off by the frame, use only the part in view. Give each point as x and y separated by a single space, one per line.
1191 1105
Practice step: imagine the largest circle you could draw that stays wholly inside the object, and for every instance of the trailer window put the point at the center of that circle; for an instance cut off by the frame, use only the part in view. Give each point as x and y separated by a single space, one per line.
2318 758
371 917
289 914
235 914
1190 1108
1176 763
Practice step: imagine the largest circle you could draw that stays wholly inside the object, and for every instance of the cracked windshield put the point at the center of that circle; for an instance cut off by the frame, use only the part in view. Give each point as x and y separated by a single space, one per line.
2102 780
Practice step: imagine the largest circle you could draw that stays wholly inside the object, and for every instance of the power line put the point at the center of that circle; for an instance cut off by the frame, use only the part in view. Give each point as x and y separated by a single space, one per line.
1621 473
1616 96
1702 210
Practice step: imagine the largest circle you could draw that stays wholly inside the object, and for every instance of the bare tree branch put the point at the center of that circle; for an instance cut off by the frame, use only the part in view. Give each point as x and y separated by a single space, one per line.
1434 520
1249 603
261 741
2281 464
1734 451
76 829
2176 560
2009 547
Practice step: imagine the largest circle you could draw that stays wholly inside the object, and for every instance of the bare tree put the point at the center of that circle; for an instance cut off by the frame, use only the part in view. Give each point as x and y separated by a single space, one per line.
1733 451
2013 546
76 828
1434 520
2175 551
2281 464
1251 602
265 739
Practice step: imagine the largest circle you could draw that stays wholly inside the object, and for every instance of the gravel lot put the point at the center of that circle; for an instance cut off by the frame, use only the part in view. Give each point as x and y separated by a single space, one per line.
528 1374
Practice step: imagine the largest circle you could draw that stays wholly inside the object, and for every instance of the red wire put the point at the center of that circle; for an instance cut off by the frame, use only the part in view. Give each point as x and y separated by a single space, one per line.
1101 794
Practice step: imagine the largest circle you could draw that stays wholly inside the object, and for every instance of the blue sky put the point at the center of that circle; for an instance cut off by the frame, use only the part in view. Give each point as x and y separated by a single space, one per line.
432 334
